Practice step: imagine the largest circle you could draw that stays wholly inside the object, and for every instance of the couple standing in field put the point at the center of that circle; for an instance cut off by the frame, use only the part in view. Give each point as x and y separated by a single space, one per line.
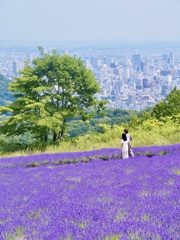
126 144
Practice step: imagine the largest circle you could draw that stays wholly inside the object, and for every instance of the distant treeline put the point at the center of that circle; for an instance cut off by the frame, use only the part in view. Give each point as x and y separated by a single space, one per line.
111 117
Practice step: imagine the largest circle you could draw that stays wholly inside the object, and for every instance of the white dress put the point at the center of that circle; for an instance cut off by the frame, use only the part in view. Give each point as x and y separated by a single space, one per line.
124 149
130 151
129 138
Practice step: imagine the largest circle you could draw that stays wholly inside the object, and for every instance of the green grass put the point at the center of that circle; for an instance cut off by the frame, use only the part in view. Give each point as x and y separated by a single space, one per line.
143 135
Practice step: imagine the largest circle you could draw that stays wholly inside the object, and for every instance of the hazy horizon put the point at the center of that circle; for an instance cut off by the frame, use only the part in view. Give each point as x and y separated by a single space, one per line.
89 20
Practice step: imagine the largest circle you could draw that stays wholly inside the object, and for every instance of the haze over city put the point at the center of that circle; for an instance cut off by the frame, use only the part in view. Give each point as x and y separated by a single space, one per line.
132 47
89 20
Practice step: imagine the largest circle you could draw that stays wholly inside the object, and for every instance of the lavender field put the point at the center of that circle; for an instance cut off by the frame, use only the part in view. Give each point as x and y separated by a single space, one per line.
91 195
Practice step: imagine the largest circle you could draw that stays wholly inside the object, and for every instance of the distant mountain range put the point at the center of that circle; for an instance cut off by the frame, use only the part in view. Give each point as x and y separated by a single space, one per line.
5 96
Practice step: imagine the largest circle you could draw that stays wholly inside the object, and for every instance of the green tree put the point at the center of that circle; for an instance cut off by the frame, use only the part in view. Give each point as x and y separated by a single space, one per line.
48 92
169 106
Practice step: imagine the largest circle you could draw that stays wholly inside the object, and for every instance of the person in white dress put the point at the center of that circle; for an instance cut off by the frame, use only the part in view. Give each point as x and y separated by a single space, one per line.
124 146
129 139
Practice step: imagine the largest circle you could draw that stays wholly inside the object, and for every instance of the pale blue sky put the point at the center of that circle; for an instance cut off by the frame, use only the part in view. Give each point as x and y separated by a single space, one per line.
89 20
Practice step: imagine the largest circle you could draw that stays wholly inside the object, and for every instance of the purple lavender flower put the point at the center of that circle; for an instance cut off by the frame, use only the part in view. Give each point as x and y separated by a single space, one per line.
137 198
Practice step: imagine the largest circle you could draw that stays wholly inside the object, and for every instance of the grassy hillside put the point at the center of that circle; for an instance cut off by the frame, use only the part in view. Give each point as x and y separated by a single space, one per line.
149 132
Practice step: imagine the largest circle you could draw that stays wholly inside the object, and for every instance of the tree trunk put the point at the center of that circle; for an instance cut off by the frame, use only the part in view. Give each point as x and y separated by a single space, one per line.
54 136
61 132
46 138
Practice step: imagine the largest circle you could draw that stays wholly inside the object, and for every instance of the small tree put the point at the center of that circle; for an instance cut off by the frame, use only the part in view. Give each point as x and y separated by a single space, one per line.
169 106
48 92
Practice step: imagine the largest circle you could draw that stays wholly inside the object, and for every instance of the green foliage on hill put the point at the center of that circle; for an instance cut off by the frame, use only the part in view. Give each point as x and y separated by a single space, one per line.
111 117
5 96
147 132
169 106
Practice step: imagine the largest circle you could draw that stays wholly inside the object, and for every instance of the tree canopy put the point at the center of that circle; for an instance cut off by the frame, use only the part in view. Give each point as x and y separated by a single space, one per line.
49 91
169 106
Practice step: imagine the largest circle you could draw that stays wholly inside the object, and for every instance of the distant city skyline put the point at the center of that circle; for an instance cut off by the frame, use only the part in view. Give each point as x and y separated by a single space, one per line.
89 20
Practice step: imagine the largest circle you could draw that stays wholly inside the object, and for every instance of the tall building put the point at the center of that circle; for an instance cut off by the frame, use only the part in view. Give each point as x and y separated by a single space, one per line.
171 58
126 72
136 60
131 99
146 83
165 57
94 61
16 68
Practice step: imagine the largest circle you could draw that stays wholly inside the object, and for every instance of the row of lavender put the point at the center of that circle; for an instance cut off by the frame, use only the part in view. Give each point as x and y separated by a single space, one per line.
87 155
137 198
